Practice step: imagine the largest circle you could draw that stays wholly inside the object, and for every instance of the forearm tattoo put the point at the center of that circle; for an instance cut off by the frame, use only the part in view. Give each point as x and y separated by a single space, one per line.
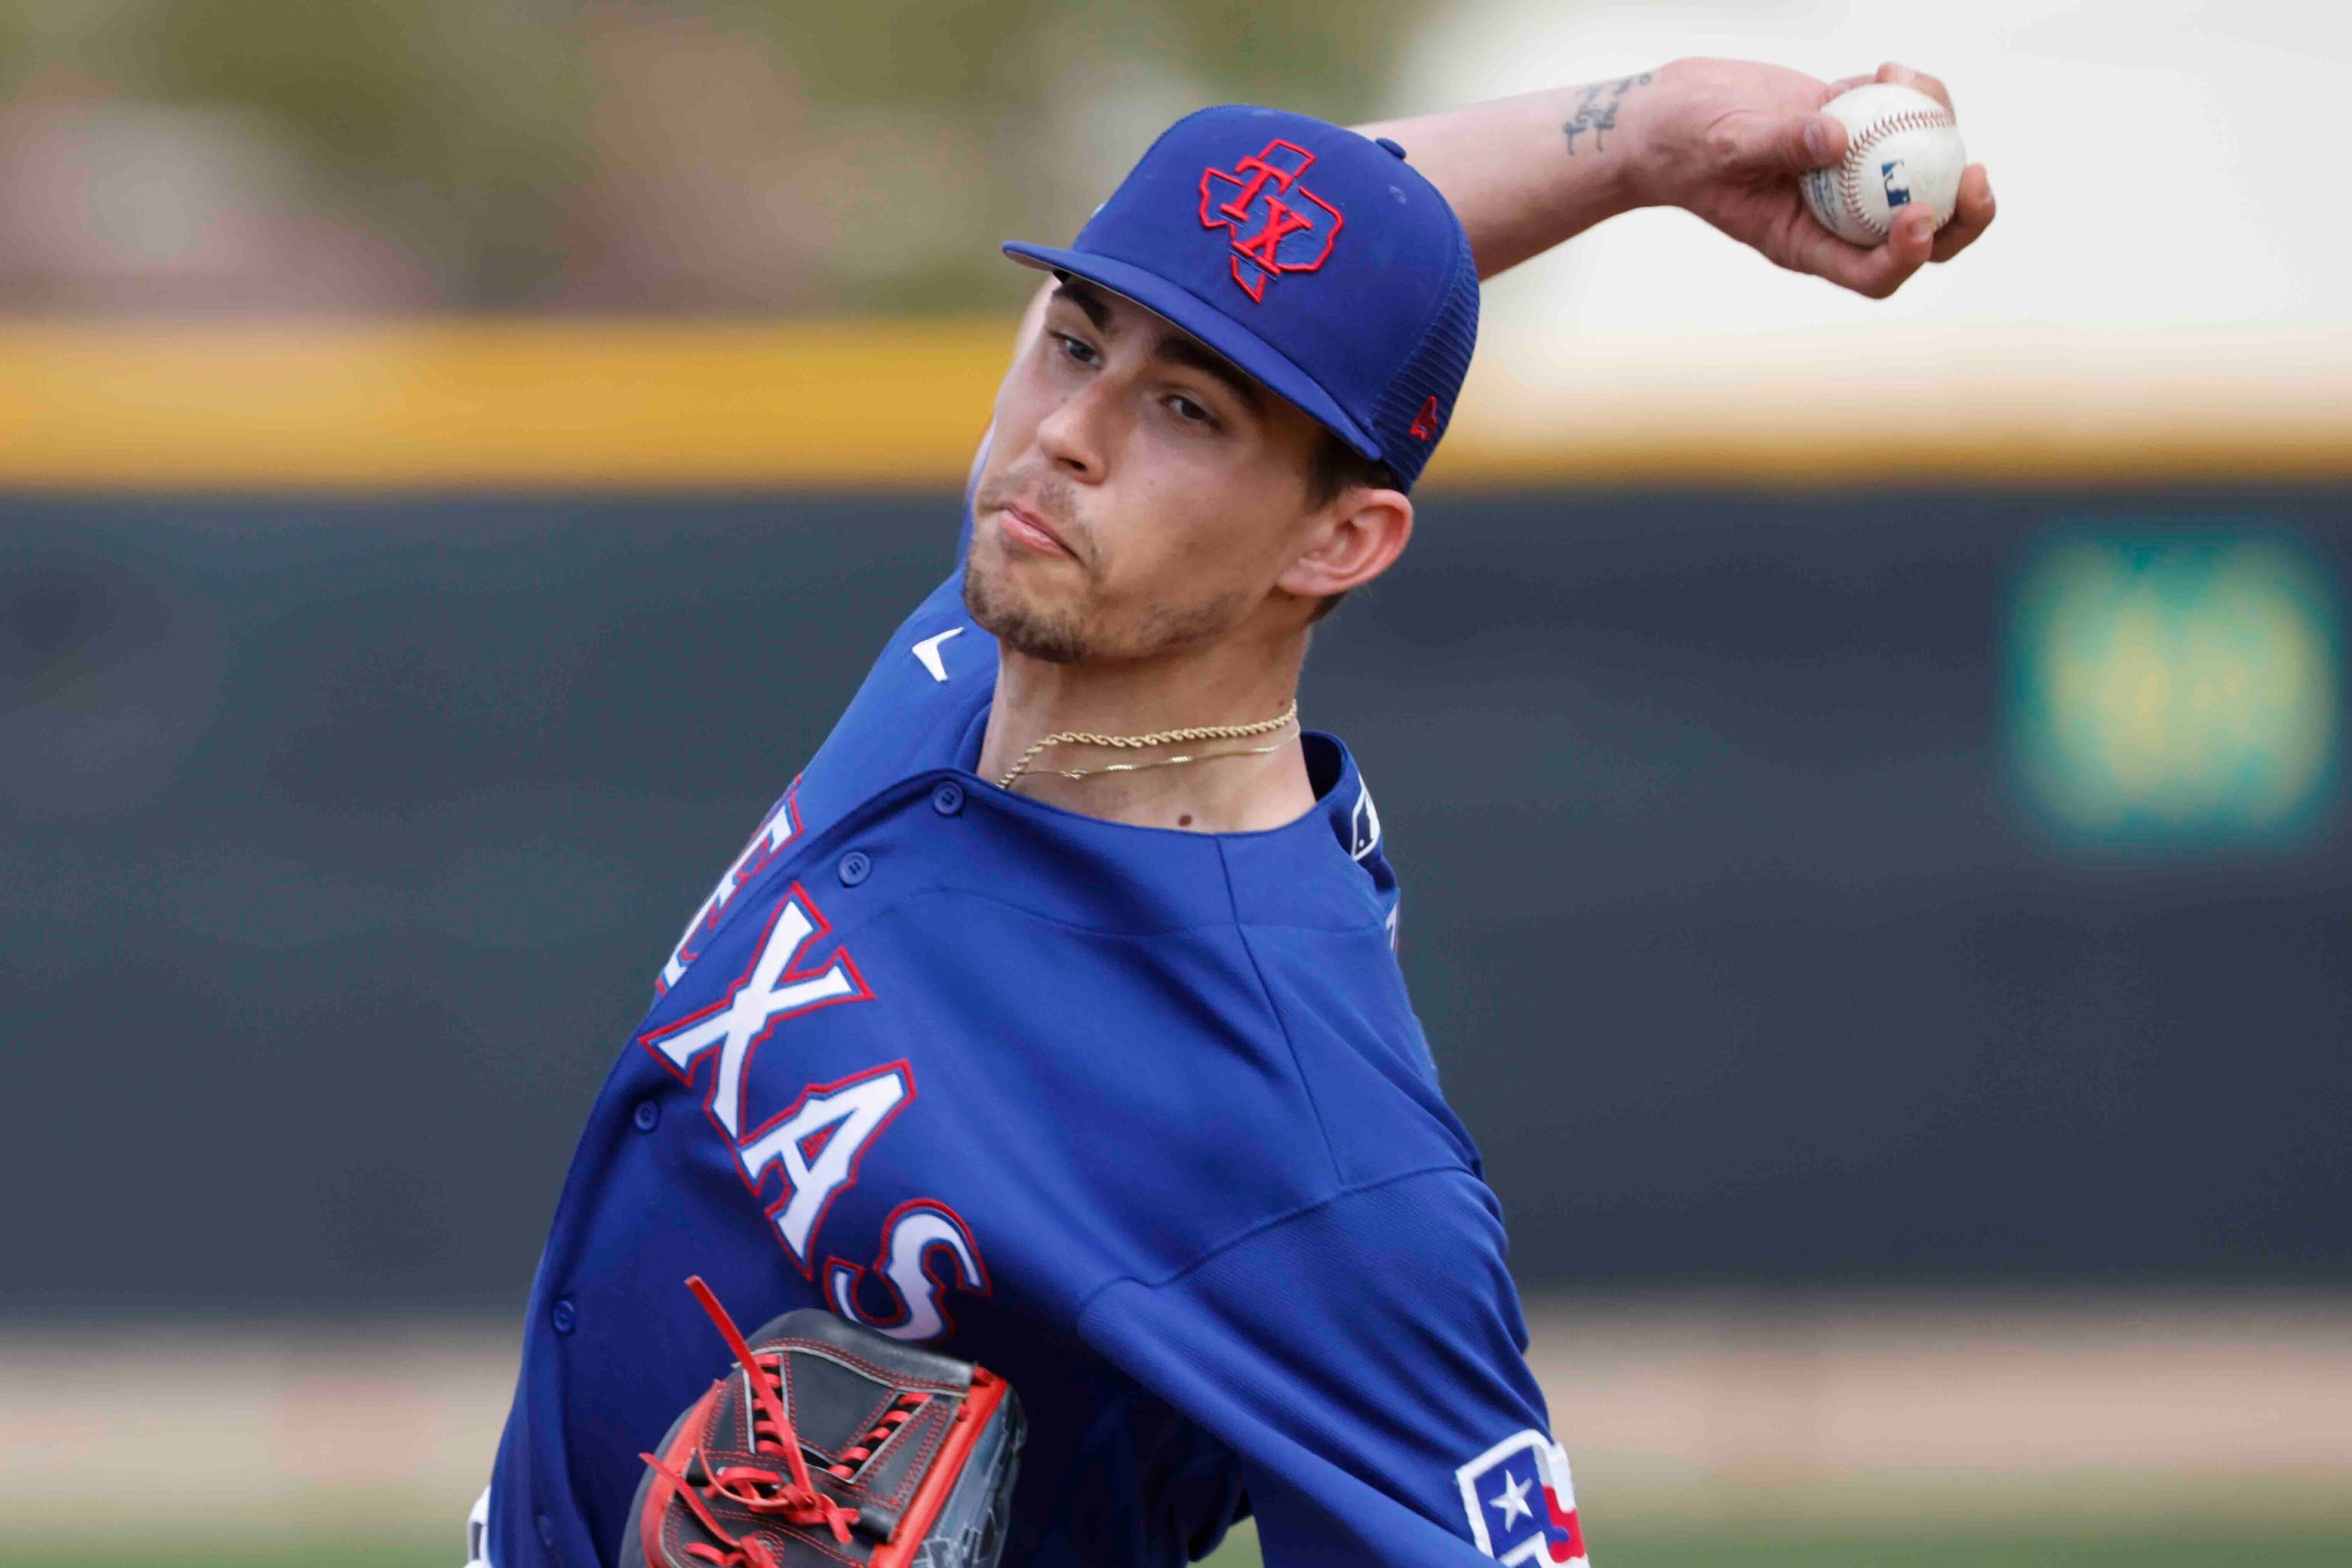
1596 110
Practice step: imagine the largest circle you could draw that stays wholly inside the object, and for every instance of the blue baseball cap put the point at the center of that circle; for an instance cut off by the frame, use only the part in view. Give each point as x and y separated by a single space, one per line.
1320 263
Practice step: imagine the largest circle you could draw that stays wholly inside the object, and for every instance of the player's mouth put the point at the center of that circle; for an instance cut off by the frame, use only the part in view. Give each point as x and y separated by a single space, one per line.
1026 529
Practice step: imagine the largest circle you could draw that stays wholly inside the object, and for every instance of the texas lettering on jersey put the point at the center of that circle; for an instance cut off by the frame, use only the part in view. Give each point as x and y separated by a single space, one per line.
770 839
915 1239
812 1148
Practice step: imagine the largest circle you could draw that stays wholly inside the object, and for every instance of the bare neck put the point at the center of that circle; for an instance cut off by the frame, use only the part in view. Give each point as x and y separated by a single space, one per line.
1240 680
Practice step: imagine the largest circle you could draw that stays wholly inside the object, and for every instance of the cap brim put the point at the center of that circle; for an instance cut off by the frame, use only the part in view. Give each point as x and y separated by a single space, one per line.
1252 354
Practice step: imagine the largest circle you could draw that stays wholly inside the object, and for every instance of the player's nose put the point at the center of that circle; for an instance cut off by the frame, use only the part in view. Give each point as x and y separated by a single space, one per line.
1079 433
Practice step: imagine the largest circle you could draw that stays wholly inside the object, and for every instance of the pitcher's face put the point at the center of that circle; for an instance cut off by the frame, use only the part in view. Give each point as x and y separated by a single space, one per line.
1141 495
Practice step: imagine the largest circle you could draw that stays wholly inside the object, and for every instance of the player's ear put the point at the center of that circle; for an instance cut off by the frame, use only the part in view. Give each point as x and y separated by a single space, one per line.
1351 541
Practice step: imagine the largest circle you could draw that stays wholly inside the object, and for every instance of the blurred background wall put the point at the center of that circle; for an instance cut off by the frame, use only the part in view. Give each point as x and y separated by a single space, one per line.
1869 778
1869 886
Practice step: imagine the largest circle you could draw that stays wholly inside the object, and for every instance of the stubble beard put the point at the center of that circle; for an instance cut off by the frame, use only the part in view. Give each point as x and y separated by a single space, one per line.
1001 612
1068 637
1055 635
1024 629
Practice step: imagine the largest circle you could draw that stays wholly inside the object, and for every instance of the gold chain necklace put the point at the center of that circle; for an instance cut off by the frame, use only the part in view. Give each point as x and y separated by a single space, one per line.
1162 738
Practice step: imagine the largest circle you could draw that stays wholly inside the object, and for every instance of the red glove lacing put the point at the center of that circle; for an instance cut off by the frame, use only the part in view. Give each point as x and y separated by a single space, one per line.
797 1502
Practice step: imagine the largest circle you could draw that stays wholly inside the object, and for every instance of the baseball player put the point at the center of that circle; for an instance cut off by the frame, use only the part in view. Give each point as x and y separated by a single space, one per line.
1051 1019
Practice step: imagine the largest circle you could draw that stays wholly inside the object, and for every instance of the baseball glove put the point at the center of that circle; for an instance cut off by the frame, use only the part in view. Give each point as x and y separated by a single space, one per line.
829 1444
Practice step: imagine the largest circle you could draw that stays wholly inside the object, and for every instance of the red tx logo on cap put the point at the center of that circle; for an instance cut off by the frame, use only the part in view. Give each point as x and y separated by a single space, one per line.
1278 225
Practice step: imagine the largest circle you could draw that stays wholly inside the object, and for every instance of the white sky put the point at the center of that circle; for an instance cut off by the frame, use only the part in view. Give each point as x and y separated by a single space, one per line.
2165 166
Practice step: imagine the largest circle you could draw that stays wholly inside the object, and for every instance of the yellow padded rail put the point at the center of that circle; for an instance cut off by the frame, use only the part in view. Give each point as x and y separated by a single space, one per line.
463 404
472 404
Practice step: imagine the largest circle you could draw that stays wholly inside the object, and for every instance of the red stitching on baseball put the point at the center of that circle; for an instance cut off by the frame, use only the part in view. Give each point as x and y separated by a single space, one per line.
1850 174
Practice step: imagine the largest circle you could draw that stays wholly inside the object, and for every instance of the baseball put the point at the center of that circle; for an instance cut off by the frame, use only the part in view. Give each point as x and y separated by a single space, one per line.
1902 150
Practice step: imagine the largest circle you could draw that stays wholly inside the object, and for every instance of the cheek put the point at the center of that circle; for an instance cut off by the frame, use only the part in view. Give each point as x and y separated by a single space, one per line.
1027 396
1194 531
1014 426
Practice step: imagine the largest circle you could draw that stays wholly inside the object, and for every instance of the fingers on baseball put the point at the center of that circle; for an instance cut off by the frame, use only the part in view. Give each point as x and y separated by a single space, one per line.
1913 236
1918 81
1973 215
1753 145
1872 271
1819 142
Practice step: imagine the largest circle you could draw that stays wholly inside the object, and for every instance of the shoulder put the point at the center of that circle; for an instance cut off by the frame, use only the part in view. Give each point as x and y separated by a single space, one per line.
1316 908
1362 1355
1358 1052
1429 1237
915 711
1329 870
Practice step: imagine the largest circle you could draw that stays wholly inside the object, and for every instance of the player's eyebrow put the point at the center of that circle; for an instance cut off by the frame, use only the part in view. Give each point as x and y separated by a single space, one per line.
1176 348
1086 298
1172 348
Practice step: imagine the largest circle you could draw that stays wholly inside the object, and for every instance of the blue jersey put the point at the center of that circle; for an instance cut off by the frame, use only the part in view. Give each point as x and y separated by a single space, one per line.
1141 1119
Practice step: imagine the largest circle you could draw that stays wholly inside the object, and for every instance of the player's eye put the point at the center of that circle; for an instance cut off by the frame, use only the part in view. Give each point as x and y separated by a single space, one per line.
1189 412
1078 348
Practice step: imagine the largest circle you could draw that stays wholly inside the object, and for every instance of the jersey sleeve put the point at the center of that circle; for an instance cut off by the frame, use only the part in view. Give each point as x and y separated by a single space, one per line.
1365 1360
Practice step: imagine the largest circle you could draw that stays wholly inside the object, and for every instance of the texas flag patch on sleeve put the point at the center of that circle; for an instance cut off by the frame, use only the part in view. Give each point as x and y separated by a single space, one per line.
1521 1503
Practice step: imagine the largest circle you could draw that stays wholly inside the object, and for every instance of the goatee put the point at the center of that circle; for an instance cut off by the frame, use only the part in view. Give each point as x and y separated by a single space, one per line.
1053 639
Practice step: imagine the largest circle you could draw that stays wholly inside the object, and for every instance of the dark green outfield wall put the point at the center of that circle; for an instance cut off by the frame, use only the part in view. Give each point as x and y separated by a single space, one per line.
340 843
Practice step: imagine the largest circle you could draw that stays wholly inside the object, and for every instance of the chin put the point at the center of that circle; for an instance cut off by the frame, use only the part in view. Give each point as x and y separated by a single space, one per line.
1017 620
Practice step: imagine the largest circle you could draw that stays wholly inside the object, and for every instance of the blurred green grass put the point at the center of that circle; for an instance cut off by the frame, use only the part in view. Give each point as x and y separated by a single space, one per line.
1940 1544
1974 1549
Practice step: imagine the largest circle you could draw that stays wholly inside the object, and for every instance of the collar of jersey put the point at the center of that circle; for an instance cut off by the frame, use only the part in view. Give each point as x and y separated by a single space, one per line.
1304 872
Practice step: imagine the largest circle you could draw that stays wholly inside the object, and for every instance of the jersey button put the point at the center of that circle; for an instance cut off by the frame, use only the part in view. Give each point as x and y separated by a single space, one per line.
563 1315
854 867
649 1116
947 799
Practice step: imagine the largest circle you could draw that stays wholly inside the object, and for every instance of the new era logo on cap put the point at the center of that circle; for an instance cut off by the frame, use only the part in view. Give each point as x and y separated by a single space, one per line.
1277 224
1427 423
1320 263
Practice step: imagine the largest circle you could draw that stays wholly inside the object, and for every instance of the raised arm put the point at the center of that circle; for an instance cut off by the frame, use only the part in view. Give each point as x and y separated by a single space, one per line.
1724 139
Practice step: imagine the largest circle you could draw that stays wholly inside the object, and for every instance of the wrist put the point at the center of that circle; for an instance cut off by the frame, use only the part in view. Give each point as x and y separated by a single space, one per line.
1610 128
1658 146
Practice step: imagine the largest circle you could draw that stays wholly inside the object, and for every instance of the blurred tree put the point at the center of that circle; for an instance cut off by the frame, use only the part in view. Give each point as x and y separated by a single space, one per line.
458 121
709 154
1331 57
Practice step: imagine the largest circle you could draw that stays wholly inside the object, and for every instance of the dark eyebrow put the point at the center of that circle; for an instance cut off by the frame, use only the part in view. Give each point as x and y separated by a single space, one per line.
1086 299
1176 348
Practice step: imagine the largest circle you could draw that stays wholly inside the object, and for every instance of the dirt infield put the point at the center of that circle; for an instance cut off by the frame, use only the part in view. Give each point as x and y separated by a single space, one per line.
1673 1407
1900 1405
